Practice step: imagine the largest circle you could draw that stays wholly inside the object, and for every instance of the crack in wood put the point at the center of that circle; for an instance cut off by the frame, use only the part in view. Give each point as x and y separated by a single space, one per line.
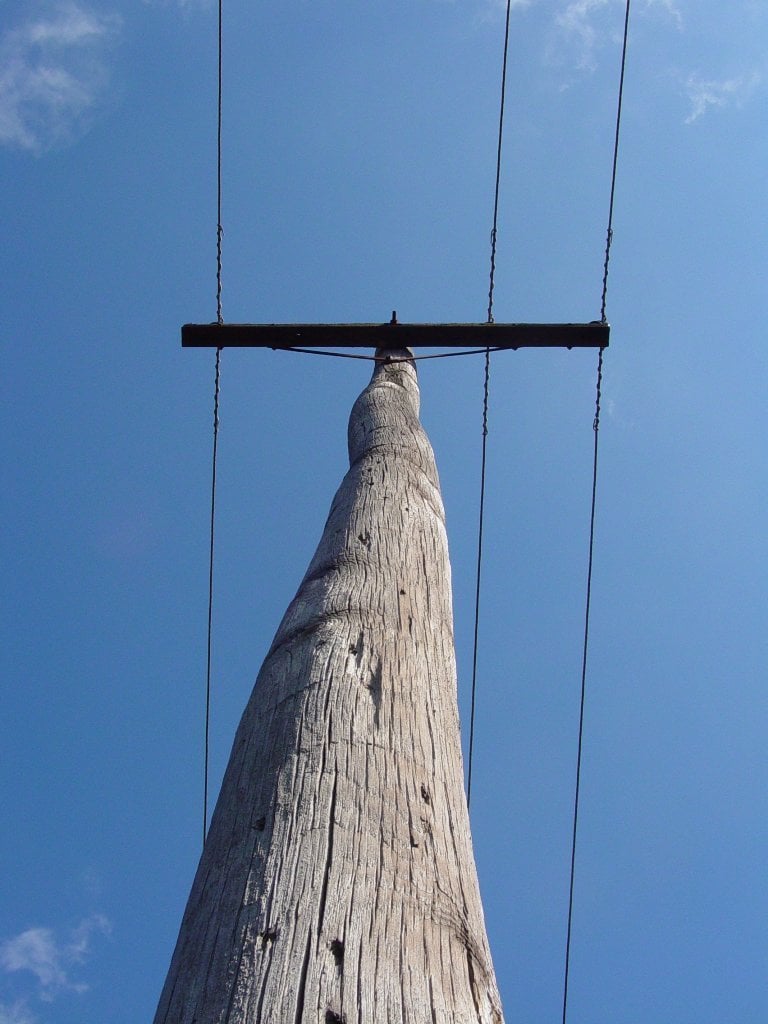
473 984
301 991
328 856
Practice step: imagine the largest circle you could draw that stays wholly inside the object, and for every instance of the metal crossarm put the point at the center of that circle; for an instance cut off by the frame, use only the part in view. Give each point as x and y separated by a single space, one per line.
396 335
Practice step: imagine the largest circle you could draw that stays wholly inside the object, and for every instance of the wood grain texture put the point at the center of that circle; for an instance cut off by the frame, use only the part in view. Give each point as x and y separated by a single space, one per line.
338 882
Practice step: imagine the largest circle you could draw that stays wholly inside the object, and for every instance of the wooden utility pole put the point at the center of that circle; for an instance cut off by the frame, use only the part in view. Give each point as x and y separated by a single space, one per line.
338 883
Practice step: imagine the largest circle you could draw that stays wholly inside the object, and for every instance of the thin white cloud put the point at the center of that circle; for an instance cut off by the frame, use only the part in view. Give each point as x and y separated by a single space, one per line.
35 950
39 952
493 10
672 9
588 25
16 1013
578 21
52 75
515 3
704 94
184 5
80 939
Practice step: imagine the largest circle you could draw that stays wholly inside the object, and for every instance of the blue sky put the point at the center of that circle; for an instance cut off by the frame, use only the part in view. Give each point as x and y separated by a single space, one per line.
359 148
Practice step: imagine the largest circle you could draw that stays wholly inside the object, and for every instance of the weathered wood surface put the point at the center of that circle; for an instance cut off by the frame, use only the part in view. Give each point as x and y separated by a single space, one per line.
338 882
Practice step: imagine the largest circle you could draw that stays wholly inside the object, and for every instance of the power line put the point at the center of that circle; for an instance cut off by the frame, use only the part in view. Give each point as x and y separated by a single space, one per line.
500 138
596 431
486 382
478 577
582 701
609 232
219 107
216 394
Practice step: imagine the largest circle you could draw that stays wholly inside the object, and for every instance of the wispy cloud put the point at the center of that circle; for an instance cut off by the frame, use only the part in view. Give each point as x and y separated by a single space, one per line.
578 19
515 3
584 28
704 94
39 952
16 1013
588 25
184 5
52 75
671 7
493 10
